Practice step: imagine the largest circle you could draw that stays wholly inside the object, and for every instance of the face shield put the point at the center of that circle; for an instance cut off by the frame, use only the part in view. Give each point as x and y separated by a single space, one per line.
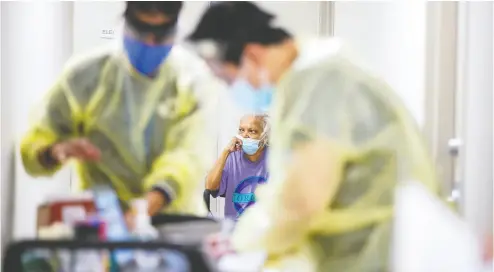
249 87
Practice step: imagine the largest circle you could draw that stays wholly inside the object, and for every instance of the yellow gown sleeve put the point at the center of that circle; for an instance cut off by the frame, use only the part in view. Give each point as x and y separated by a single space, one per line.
53 123
179 168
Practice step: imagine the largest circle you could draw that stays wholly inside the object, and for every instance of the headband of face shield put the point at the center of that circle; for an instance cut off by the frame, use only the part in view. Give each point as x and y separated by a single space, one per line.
144 57
255 100
160 33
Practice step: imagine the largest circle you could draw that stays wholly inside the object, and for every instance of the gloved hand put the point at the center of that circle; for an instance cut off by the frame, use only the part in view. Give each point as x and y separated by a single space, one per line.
156 202
79 148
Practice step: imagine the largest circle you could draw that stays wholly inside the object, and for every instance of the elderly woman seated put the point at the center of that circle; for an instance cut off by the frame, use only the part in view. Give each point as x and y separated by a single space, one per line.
241 166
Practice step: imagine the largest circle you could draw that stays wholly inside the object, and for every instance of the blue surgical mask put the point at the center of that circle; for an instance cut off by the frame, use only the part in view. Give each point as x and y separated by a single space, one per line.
145 58
252 99
250 146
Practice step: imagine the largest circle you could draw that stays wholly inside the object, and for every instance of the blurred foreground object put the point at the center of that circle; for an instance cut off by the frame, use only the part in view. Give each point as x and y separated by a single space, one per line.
57 231
428 236
74 256
68 209
488 249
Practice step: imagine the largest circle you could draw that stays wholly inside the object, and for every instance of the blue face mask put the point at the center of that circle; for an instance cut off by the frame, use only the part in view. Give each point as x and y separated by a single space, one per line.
145 58
250 146
250 98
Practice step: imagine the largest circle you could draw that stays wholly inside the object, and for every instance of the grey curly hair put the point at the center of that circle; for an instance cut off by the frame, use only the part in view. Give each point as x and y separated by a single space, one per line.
266 128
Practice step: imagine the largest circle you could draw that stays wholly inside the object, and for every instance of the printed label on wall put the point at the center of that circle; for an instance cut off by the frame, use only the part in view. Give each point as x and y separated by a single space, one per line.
107 34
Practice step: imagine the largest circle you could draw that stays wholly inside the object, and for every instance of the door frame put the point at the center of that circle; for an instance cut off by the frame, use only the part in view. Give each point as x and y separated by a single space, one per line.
459 89
326 18
441 92
476 117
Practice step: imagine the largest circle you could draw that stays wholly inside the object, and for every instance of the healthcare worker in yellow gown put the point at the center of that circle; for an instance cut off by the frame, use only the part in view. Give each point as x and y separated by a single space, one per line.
342 141
129 116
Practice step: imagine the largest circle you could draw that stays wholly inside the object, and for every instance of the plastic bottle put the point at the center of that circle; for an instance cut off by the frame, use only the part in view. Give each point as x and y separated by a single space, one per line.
144 231
142 221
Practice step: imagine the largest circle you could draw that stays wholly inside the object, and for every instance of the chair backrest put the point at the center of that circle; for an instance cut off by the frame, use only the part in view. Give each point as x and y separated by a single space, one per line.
207 197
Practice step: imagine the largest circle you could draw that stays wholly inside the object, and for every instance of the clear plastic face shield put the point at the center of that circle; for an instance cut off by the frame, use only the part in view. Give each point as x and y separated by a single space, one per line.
249 88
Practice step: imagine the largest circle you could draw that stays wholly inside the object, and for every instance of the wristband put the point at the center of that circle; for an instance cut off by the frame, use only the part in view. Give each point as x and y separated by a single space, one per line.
166 191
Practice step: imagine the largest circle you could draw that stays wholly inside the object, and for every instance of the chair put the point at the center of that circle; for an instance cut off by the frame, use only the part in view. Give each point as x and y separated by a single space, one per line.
207 198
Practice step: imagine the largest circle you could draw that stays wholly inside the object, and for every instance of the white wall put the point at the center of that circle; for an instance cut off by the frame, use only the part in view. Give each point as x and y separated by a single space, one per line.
90 18
288 15
109 15
35 44
389 37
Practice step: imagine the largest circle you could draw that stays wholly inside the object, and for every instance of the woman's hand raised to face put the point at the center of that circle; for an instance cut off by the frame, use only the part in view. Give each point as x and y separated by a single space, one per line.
234 145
